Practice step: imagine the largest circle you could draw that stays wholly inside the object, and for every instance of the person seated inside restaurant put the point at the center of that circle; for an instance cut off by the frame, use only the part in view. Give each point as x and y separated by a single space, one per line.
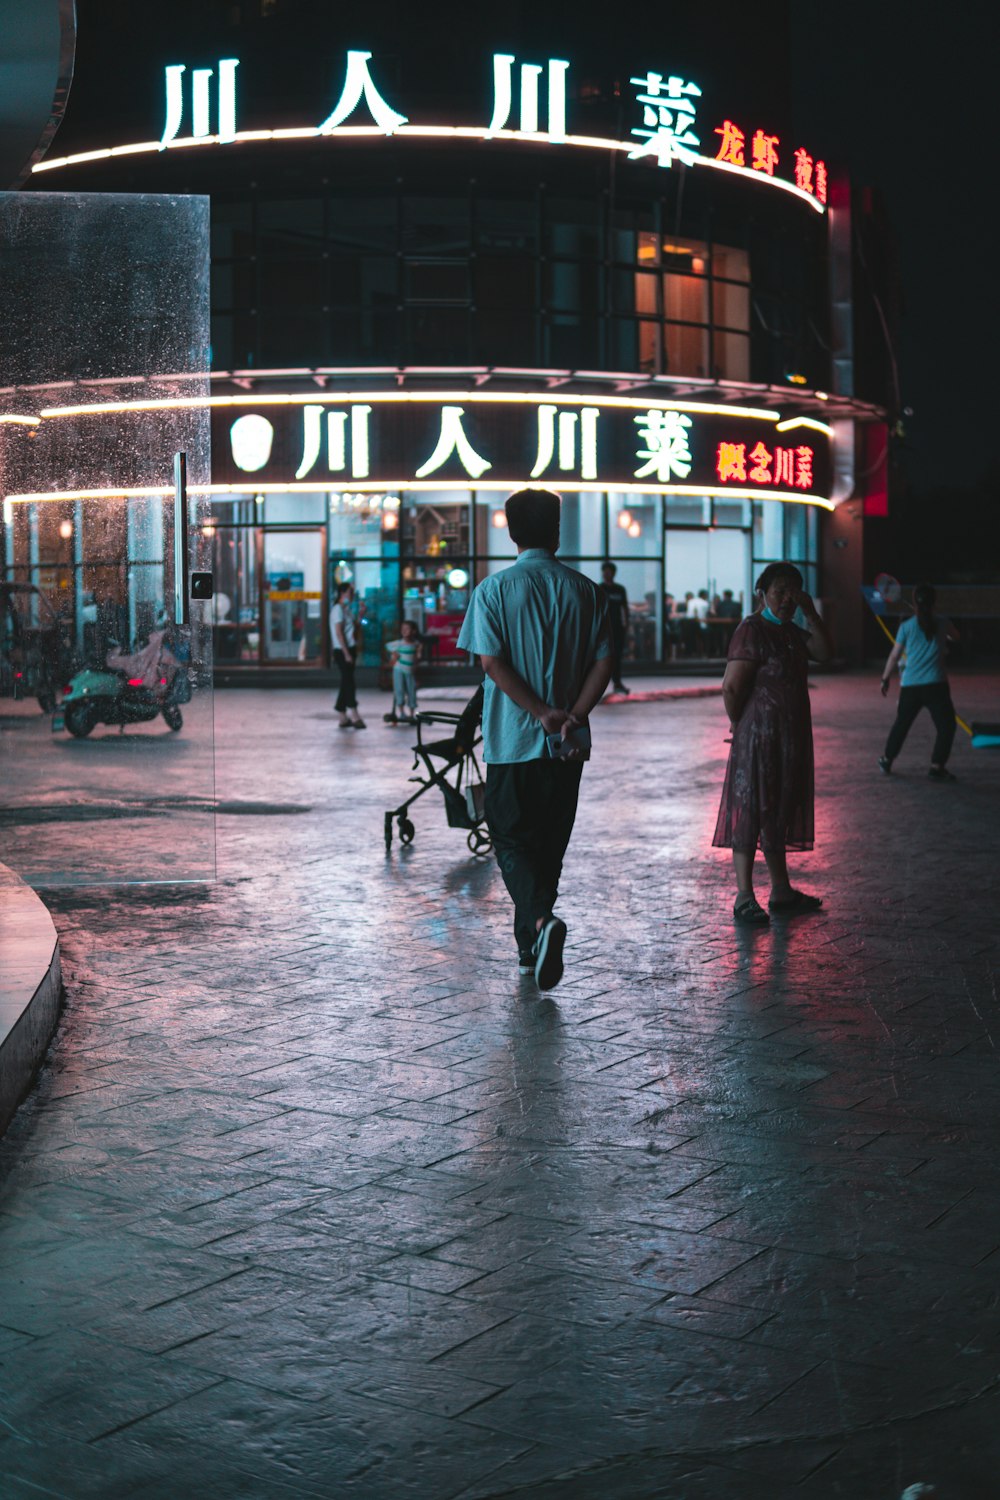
694 628
726 613
671 626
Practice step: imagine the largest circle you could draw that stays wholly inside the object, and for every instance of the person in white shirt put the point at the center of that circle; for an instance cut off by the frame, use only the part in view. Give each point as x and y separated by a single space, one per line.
694 629
344 635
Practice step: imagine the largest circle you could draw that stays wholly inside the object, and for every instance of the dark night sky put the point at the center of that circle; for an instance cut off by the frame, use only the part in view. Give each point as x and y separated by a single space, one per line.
904 94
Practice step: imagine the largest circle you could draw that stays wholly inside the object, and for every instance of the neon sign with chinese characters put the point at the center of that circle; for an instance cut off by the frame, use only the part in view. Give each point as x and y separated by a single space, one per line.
664 109
382 440
379 441
784 468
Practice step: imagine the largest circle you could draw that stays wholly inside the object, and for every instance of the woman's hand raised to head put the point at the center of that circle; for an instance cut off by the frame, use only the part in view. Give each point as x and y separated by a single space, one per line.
806 604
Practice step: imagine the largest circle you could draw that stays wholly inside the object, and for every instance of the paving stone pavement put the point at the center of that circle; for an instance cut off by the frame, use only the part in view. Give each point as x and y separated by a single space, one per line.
315 1197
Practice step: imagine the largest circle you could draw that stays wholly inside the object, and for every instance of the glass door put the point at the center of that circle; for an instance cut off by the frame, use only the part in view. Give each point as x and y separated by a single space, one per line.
106 668
291 583
707 589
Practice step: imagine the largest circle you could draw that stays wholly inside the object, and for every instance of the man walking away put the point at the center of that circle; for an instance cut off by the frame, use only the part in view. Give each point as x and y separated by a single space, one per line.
540 630
617 602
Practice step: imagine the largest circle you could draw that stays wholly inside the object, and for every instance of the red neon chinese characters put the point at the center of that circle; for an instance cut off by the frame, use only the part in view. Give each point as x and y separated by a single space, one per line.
760 457
803 170
784 466
821 181
765 154
731 462
732 144
804 468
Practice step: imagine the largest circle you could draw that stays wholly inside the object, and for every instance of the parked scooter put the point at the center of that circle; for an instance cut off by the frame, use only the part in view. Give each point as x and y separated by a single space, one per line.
135 688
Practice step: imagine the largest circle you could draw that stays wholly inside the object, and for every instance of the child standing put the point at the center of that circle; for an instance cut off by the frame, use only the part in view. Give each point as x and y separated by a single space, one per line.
404 674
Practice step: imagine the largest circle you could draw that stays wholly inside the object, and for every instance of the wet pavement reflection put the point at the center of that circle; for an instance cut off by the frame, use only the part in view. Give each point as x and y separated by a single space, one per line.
317 1197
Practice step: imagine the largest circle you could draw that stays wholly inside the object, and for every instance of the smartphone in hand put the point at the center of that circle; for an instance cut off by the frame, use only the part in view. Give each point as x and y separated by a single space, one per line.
577 739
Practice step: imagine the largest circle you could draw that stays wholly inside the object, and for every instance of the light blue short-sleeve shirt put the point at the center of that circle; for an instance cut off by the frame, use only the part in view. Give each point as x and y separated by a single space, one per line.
549 623
925 659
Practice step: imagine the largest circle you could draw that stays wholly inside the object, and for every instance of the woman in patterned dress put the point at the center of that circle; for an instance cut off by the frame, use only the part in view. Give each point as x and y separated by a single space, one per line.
767 798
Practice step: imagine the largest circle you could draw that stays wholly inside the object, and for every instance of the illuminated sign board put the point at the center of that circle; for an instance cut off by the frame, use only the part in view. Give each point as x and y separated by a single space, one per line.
474 439
667 122
377 441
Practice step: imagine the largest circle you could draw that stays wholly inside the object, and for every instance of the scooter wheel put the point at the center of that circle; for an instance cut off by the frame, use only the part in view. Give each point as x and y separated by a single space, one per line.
407 832
79 719
173 716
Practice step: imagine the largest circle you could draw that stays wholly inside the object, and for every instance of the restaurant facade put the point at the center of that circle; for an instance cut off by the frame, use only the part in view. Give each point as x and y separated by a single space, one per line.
446 267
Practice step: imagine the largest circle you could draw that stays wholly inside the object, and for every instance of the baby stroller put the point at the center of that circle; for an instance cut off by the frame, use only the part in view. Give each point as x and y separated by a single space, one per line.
451 765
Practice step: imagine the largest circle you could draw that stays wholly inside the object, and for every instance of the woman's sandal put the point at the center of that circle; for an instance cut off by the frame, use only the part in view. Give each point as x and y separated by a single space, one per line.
749 911
798 901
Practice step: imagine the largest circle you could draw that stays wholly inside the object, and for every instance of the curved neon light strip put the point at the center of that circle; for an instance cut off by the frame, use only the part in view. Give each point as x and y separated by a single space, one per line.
152 492
433 132
792 422
386 398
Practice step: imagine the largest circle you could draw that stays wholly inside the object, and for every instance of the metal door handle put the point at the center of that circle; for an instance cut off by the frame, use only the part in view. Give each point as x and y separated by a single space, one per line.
182 615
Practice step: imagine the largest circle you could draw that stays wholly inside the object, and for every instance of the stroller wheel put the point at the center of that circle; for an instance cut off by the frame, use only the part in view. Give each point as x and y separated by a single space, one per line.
407 832
479 842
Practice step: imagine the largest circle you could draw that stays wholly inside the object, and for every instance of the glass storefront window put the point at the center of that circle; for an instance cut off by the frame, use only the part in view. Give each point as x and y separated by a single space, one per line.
236 605
581 532
344 272
648 334
507 225
796 544
436 571
687 510
294 510
731 306
731 263
363 224
357 521
731 353
645 295
376 585
435 523
731 513
648 248
768 531
634 525
701 566
293 595
812 532
643 582
685 298
493 543
686 349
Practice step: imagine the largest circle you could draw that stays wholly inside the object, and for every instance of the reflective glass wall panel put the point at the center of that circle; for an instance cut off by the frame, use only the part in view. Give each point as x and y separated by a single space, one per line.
106 730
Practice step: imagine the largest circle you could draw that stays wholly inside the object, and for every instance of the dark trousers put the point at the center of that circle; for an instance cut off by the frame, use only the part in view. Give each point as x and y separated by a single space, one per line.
530 811
347 697
936 697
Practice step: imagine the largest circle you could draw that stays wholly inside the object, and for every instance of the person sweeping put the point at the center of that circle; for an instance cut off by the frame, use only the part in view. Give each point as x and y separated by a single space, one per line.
922 643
